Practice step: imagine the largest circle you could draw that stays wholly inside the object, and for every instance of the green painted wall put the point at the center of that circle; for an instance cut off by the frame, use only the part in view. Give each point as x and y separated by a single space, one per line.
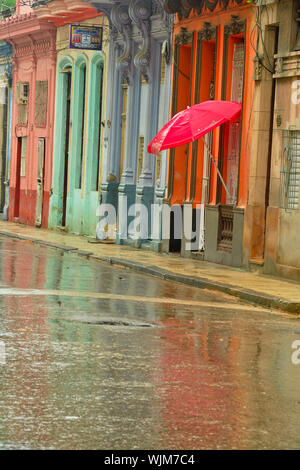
85 138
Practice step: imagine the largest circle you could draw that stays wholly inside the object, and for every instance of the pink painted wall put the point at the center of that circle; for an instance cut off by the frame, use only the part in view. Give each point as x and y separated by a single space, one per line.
34 58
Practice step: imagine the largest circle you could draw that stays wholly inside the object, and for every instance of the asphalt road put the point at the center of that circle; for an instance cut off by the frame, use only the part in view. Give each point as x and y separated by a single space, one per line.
99 357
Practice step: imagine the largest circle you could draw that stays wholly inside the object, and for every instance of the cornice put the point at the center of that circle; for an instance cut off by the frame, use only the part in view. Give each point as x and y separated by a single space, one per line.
34 43
21 25
184 7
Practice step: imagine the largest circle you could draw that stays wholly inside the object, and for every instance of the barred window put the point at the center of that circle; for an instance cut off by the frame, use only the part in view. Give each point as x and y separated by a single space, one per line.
41 95
290 170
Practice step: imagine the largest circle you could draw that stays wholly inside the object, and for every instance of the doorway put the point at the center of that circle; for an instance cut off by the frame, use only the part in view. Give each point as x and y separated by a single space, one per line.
40 183
68 79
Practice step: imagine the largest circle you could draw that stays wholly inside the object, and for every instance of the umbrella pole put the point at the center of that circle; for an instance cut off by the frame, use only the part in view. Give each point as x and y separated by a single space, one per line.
214 162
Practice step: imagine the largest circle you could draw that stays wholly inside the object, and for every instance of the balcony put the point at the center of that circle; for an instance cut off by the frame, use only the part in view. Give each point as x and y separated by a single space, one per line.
62 12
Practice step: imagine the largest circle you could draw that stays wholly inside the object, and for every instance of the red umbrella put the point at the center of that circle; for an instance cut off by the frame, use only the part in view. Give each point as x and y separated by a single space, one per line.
194 122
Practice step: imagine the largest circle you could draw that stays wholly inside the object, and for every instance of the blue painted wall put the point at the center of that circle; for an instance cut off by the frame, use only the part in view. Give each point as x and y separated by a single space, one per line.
6 84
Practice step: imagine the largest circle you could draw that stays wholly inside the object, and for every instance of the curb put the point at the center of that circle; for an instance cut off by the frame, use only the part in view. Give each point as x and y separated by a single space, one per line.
201 283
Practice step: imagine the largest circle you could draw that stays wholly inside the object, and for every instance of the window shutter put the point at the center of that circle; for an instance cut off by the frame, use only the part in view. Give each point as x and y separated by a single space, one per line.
41 95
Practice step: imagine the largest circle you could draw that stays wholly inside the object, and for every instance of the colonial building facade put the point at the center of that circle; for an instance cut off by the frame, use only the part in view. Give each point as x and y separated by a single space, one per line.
213 60
137 105
77 125
78 137
247 53
271 235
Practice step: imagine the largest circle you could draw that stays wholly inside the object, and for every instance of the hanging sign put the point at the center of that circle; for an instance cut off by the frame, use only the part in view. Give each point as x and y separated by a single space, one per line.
86 37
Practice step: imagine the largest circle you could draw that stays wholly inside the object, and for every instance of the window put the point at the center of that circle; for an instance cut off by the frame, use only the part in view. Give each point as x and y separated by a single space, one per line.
23 93
290 170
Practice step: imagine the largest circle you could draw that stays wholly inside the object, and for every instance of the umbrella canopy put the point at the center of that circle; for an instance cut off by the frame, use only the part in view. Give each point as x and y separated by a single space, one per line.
194 122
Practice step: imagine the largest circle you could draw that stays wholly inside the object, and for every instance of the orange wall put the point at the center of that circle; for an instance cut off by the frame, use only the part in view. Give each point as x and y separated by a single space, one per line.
183 100
195 23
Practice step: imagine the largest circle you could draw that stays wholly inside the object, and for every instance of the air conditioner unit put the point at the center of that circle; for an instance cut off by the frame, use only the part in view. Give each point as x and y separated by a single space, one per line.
23 93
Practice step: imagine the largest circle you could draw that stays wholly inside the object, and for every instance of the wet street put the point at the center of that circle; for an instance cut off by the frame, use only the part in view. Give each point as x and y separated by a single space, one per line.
99 357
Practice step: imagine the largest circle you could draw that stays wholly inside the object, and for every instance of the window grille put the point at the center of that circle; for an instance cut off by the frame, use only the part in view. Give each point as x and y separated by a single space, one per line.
290 170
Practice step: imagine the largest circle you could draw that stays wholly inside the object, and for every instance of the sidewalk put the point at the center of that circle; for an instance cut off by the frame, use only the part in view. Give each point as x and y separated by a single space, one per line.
257 288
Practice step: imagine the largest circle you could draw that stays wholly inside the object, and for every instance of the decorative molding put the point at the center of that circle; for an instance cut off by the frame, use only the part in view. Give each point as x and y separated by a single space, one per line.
34 46
125 18
207 32
279 65
176 6
287 65
235 26
140 11
158 7
257 69
184 7
184 37
122 22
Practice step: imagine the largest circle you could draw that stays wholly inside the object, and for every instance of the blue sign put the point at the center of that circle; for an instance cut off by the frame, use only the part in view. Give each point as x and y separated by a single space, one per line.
86 37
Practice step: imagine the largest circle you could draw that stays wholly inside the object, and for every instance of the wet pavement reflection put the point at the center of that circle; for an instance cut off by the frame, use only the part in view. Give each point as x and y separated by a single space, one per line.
99 357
